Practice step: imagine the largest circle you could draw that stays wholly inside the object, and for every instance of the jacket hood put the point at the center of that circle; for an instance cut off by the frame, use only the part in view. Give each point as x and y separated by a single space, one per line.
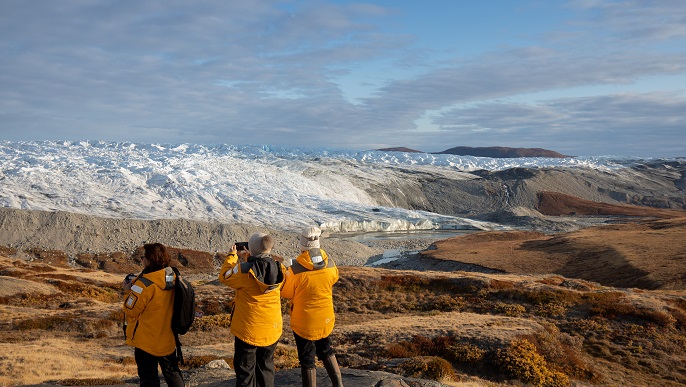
313 259
266 271
165 279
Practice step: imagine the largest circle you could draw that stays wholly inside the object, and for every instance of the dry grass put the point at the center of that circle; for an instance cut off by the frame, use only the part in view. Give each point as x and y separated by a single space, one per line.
57 358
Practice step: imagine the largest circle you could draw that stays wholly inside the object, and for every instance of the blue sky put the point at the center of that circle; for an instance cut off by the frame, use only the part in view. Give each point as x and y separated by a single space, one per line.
581 77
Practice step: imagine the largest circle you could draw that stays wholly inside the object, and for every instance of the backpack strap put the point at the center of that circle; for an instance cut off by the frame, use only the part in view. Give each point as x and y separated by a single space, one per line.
179 352
297 268
245 266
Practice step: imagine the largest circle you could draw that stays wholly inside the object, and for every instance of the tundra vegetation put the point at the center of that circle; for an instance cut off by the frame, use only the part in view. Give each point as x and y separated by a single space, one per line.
63 323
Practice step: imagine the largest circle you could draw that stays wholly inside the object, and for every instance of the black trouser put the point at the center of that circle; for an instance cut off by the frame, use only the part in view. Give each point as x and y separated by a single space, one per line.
147 369
254 365
308 348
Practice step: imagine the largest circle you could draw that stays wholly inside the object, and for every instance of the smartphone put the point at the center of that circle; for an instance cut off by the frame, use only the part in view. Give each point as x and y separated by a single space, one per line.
241 246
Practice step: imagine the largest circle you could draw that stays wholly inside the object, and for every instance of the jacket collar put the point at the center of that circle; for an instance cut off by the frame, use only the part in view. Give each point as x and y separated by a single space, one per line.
165 278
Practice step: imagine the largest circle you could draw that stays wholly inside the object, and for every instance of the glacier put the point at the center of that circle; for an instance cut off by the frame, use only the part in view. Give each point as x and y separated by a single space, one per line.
272 186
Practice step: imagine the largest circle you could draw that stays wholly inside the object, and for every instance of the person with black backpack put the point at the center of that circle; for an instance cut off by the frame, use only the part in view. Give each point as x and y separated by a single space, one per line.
256 320
148 307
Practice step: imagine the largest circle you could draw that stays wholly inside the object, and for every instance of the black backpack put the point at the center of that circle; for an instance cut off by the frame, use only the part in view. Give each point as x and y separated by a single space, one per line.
184 309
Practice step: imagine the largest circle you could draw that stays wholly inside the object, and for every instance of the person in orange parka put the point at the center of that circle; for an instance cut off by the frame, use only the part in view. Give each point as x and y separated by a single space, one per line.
148 307
309 284
256 319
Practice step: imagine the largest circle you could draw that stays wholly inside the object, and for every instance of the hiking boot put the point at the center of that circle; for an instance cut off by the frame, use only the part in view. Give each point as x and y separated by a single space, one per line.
309 376
334 372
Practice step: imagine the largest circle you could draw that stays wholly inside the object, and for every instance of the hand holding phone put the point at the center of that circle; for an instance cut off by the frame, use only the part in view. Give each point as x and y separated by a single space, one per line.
128 281
241 246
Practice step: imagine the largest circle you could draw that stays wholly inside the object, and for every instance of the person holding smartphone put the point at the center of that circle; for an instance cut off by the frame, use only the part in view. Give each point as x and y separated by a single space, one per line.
256 321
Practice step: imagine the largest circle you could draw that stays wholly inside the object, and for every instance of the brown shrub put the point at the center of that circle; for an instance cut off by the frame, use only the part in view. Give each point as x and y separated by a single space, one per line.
509 309
53 257
554 280
116 315
49 323
207 322
87 260
521 361
602 298
613 307
563 351
589 325
429 367
443 346
444 303
418 346
30 300
408 282
679 316
399 351
500 285
465 353
536 297
13 272
553 309
286 357
36 267
214 306
85 327
76 288
7 251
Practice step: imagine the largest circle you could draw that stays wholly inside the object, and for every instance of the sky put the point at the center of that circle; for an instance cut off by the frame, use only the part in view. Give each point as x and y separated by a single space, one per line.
580 77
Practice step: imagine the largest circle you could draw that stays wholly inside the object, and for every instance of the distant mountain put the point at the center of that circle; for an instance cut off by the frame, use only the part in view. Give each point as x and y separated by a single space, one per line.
501 152
489 151
400 149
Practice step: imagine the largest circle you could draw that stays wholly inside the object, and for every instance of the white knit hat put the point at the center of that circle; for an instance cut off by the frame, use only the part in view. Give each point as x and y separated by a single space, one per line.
260 244
309 238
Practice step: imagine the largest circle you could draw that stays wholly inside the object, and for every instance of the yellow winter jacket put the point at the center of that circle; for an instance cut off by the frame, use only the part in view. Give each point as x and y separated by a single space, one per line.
256 318
309 283
148 308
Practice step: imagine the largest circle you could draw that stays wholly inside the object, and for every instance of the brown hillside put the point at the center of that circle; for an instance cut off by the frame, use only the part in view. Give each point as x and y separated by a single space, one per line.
648 255
556 204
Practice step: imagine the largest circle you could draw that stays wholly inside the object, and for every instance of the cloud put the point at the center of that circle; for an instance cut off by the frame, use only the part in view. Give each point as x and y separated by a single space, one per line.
609 124
268 72
634 21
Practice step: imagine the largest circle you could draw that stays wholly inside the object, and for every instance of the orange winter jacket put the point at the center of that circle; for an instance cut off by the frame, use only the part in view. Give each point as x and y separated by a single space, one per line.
256 318
309 283
148 308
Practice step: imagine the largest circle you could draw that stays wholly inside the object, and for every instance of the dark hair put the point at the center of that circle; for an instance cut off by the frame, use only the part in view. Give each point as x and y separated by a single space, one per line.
157 256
